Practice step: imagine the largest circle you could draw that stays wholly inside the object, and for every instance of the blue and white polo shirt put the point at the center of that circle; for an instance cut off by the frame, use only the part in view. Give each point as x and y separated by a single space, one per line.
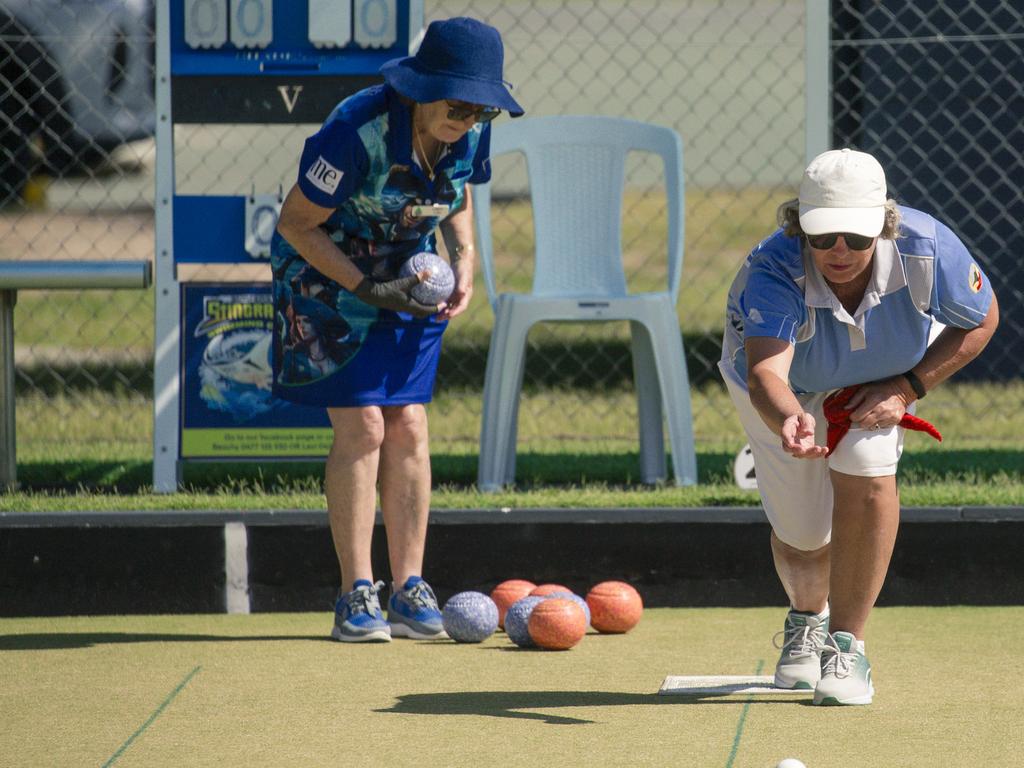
926 275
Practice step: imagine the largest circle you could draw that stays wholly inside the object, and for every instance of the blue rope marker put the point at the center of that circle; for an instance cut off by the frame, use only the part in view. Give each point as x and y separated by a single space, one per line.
743 718
152 717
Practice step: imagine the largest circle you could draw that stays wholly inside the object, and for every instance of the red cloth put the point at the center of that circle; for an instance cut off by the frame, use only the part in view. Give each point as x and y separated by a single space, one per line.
839 418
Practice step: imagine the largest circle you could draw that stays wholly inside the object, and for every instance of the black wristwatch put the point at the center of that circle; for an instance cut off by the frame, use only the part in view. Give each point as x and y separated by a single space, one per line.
915 384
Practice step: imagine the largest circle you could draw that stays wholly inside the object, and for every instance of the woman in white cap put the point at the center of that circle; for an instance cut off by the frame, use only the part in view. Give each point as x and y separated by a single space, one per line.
390 165
853 289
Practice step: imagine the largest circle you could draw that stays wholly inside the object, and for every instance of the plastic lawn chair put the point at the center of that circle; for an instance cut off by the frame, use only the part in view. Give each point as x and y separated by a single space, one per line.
576 169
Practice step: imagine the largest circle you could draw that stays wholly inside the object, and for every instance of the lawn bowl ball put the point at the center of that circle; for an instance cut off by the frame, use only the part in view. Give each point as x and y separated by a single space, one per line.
546 589
557 624
615 607
790 762
576 599
436 288
470 617
517 620
507 593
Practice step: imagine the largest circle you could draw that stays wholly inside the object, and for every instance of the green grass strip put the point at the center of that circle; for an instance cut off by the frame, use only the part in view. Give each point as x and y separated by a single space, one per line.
585 478
152 717
743 718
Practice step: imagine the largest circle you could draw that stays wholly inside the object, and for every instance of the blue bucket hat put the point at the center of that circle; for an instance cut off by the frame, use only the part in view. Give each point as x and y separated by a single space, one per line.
459 58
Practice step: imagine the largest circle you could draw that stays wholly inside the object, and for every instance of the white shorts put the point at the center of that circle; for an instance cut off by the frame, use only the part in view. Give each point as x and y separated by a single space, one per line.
797 493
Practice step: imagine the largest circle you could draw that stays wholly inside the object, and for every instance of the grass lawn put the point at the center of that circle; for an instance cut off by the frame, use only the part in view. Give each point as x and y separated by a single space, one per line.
971 478
92 450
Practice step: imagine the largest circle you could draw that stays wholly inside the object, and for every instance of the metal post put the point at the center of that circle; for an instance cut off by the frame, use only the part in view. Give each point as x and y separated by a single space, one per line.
8 454
818 84
167 321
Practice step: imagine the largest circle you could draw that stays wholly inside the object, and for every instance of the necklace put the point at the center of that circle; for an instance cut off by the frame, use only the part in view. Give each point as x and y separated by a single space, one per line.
418 143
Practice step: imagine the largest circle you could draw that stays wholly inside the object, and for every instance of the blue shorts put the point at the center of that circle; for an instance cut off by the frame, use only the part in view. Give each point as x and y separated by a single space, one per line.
333 350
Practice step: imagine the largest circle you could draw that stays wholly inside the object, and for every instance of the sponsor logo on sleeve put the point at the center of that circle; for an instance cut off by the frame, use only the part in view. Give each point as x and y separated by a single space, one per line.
324 176
975 280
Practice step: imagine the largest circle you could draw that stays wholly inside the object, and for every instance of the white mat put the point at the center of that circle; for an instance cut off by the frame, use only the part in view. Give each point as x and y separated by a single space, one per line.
723 685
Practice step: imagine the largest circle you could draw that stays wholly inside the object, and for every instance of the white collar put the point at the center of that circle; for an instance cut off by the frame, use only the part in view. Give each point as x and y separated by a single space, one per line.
887 276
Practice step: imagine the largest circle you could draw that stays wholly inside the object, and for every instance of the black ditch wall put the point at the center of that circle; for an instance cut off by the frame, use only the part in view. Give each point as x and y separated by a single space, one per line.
77 571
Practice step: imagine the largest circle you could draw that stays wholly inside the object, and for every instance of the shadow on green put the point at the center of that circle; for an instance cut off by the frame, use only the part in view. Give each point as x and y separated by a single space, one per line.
518 704
46 641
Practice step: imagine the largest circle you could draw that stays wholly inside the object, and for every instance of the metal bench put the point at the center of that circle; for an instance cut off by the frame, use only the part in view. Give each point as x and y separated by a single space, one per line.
47 275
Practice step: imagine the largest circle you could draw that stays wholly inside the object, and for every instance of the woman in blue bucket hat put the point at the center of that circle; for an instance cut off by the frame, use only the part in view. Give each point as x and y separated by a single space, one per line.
391 164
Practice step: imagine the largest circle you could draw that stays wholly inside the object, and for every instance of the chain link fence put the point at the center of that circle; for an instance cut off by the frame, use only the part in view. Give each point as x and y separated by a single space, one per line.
76 182
934 90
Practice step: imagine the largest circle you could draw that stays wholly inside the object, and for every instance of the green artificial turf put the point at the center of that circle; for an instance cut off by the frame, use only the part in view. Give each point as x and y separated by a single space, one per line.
272 690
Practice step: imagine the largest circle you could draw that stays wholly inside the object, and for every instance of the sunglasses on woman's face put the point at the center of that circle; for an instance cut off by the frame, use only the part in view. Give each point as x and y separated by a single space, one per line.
853 242
462 112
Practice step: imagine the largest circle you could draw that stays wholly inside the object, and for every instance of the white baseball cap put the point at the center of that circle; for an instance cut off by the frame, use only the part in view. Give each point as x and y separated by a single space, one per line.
843 191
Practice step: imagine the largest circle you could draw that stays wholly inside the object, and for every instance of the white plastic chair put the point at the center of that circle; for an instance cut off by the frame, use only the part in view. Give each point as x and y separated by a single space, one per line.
576 167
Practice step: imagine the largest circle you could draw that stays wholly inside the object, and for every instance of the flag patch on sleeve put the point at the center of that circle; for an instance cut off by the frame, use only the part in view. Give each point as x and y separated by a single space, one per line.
974 280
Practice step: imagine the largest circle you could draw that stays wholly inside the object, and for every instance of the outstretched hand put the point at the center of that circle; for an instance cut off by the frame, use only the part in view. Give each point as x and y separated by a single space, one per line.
798 437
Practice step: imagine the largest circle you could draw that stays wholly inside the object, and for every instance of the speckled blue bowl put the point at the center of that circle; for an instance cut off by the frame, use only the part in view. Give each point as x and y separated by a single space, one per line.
470 617
517 620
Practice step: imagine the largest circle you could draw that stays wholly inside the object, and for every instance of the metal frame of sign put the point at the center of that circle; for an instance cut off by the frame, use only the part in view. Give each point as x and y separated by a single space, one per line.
256 64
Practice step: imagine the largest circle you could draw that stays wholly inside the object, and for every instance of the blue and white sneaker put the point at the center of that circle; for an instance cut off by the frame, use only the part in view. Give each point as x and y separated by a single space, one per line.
413 612
357 615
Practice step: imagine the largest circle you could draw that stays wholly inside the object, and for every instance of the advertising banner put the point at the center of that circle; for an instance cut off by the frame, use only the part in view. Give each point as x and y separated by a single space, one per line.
227 409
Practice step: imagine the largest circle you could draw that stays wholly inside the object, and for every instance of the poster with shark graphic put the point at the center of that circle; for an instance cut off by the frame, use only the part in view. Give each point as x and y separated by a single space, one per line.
227 408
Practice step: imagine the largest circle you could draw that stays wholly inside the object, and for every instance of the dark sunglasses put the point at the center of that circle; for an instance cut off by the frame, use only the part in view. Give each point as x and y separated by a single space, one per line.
853 242
460 113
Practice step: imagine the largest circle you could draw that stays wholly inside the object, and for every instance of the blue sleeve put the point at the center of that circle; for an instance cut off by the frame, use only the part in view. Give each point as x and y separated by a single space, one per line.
333 165
772 303
962 293
482 159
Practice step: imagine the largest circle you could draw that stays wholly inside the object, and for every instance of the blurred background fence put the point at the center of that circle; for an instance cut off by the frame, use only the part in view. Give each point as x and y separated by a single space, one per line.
934 89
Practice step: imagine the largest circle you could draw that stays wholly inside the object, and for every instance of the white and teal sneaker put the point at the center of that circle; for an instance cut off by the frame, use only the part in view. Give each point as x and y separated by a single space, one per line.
845 672
799 665
357 615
